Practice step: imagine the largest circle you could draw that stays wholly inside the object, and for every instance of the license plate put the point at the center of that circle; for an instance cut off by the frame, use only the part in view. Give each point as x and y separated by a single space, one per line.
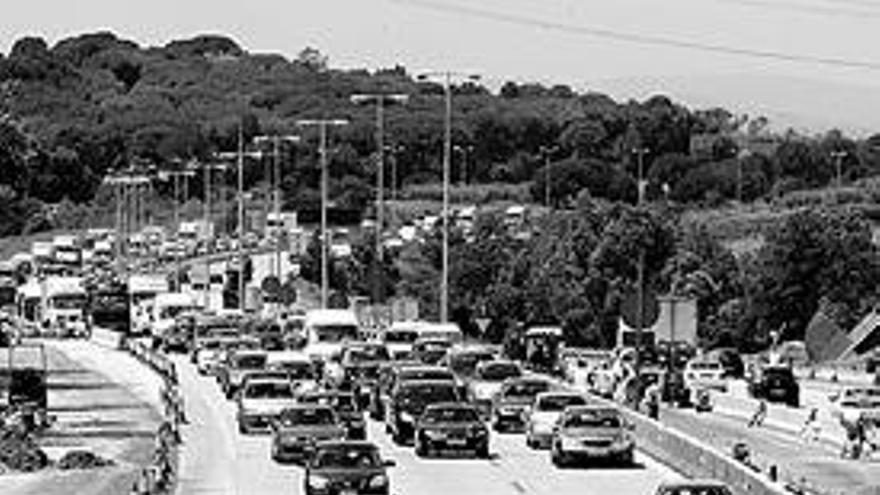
457 442
348 491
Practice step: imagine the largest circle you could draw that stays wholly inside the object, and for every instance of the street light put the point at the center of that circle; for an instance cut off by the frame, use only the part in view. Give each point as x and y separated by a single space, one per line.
322 125
209 244
379 99
395 150
175 176
838 157
276 141
446 77
464 150
640 153
547 152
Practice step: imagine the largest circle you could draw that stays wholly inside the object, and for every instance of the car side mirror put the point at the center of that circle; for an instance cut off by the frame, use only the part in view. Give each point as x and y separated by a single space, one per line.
389 463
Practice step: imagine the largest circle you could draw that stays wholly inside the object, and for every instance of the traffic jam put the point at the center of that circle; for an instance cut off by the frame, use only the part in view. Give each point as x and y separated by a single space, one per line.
311 384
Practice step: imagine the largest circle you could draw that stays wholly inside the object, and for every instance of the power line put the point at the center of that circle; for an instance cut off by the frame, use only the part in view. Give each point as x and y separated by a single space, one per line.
607 33
807 9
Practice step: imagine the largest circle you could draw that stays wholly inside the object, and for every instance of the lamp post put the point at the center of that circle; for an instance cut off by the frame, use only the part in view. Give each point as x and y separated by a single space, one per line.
322 125
175 176
276 141
380 100
395 150
547 152
465 151
640 275
640 152
208 219
838 157
446 77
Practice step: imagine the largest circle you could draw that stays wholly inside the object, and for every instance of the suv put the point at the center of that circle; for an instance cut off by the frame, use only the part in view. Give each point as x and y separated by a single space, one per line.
776 384
592 432
410 399
346 467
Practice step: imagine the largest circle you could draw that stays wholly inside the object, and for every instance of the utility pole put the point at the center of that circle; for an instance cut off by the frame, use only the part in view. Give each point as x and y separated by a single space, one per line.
380 99
322 125
547 151
465 151
276 141
640 152
640 276
446 78
838 157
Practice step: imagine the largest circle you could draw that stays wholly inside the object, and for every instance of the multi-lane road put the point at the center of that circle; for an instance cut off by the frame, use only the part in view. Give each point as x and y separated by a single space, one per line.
216 459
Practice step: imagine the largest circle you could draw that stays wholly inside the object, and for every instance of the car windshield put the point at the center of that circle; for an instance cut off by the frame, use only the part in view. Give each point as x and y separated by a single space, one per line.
401 336
296 370
526 389
451 415
558 403
429 393
335 333
592 419
416 374
706 366
308 416
465 363
498 372
367 353
269 390
72 301
346 457
695 490
250 362
339 402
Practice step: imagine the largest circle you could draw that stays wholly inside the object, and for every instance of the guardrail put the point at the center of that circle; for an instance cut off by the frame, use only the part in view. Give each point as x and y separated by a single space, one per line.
158 478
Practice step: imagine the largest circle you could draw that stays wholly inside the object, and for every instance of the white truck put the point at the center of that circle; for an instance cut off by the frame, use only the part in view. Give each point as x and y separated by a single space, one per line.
142 289
67 250
165 308
64 311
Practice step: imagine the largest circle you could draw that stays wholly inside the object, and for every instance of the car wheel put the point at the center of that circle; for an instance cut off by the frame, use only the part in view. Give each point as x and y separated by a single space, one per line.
627 458
242 429
483 451
530 442
421 449
396 437
557 458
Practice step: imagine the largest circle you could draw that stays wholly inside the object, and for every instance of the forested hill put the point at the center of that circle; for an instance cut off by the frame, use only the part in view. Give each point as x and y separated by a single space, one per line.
95 102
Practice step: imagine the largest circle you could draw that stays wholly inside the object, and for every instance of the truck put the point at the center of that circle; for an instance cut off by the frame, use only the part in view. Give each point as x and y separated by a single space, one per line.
142 289
67 250
109 306
64 306
195 233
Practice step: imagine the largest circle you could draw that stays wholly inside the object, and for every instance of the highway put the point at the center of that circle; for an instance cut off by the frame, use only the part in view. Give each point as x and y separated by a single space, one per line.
216 459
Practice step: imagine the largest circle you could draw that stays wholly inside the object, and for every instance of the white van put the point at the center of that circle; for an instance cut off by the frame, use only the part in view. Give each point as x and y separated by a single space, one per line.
441 331
400 337
327 329
165 309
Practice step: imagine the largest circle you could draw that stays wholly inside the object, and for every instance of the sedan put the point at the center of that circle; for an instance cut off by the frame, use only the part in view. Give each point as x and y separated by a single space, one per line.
347 468
451 426
694 487
545 412
592 432
298 429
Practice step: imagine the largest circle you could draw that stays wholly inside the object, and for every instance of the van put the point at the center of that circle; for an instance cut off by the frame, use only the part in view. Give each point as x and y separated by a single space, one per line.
327 329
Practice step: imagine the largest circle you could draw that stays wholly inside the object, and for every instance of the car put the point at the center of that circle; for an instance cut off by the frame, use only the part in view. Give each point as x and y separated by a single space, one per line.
347 468
451 426
208 354
544 414
298 366
359 367
238 364
731 359
431 351
384 381
298 428
413 373
510 406
592 432
854 402
775 384
603 379
694 487
346 408
487 380
410 399
705 374
463 360
260 401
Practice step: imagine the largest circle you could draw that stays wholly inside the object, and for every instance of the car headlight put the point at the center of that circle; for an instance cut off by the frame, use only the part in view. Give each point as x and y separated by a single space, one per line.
432 434
318 482
378 481
407 417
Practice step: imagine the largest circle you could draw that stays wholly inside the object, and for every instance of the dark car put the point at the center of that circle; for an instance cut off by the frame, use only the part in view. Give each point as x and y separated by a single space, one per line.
452 426
694 487
510 406
297 430
463 361
410 399
730 360
343 468
384 380
346 408
776 384
360 368
413 373
431 351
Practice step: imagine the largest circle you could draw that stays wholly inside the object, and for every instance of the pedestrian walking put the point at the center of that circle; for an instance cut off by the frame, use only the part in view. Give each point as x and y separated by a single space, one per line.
760 415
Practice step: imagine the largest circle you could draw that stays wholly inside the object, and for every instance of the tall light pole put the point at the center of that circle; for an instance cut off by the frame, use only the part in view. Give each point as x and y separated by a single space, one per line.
208 220
175 176
379 99
465 151
395 151
640 275
322 125
838 157
446 77
276 141
547 152
640 152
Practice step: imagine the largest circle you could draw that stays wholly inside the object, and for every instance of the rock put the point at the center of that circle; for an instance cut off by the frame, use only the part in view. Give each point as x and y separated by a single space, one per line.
82 459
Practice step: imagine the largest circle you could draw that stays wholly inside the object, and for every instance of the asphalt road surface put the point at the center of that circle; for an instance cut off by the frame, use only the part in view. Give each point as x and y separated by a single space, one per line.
216 459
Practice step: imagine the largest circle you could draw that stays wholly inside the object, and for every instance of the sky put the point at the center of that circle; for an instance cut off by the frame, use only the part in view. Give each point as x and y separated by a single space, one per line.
628 48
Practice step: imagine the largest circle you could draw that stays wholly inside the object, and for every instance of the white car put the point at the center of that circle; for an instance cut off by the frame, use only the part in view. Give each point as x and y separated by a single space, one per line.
704 374
261 400
487 381
544 414
850 403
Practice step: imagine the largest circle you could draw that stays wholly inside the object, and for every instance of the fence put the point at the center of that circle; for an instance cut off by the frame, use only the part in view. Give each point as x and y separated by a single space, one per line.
159 477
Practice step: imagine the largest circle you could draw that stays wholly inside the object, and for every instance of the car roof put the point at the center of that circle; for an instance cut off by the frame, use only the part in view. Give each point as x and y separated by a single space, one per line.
694 483
362 444
593 408
423 368
426 383
452 405
560 393
300 406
